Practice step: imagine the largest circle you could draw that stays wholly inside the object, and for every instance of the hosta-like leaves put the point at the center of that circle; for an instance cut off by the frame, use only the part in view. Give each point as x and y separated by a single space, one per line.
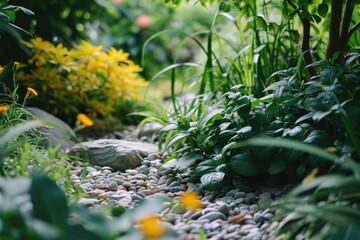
277 166
243 165
212 180
187 160
175 139
209 117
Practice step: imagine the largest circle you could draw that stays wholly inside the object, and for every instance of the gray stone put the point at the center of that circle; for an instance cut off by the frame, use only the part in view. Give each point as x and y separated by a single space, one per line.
113 186
224 208
264 202
87 202
143 169
57 133
213 216
171 217
117 154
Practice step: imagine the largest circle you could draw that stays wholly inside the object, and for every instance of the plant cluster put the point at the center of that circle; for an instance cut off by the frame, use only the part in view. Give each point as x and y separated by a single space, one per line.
325 115
82 79
44 213
8 16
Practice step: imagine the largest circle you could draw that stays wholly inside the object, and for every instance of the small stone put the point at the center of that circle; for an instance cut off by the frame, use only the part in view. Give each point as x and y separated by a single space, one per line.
178 209
249 221
254 207
153 156
146 192
265 195
90 169
113 186
240 195
196 215
101 185
87 202
165 171
233 235
143 169
268 215
224 208
250 199
177 189
239 200
102 196
213 216
131 172
264 202
127 184
171 217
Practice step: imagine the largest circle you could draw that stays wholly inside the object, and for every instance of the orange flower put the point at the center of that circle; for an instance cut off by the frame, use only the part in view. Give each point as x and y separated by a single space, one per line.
84 120
42 125
151 227
31 91
190 200
4 108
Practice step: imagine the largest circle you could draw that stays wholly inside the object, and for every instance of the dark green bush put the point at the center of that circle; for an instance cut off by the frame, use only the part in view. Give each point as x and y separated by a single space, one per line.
321 113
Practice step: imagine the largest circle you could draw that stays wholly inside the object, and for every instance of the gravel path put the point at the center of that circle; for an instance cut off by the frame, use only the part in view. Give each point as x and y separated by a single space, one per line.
228 214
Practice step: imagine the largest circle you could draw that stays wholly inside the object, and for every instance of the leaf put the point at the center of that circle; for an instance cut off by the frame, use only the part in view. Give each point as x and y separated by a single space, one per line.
49 202
318 116
187 160
212 180
224 6
260 20
323 9
277 165
170 127
175 139
207 117
243 165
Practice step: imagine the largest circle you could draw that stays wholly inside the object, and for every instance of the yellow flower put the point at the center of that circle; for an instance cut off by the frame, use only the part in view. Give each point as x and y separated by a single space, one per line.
1 69
151 227
31 91
311 176
84 120
190 200
42 125
4 108
331 149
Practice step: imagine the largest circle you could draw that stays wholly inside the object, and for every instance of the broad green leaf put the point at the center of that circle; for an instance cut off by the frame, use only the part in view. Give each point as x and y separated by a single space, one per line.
297 145
224 6
318 116
49 202
277 166
260 20
175 139
212 180
170 127
207 117
187 160
243 165
323 9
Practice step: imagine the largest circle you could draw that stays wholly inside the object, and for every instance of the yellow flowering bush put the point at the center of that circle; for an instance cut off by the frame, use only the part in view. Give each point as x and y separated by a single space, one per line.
85 78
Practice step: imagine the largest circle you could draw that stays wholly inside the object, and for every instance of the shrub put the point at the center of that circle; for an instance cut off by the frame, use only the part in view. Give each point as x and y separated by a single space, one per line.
82 79
325 115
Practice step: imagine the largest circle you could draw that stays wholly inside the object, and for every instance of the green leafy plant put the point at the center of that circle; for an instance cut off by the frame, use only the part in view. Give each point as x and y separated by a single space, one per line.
42 212
325 116
8 16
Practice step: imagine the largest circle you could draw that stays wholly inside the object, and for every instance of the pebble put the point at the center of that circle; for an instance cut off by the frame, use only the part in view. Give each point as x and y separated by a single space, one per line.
213 215
232 215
